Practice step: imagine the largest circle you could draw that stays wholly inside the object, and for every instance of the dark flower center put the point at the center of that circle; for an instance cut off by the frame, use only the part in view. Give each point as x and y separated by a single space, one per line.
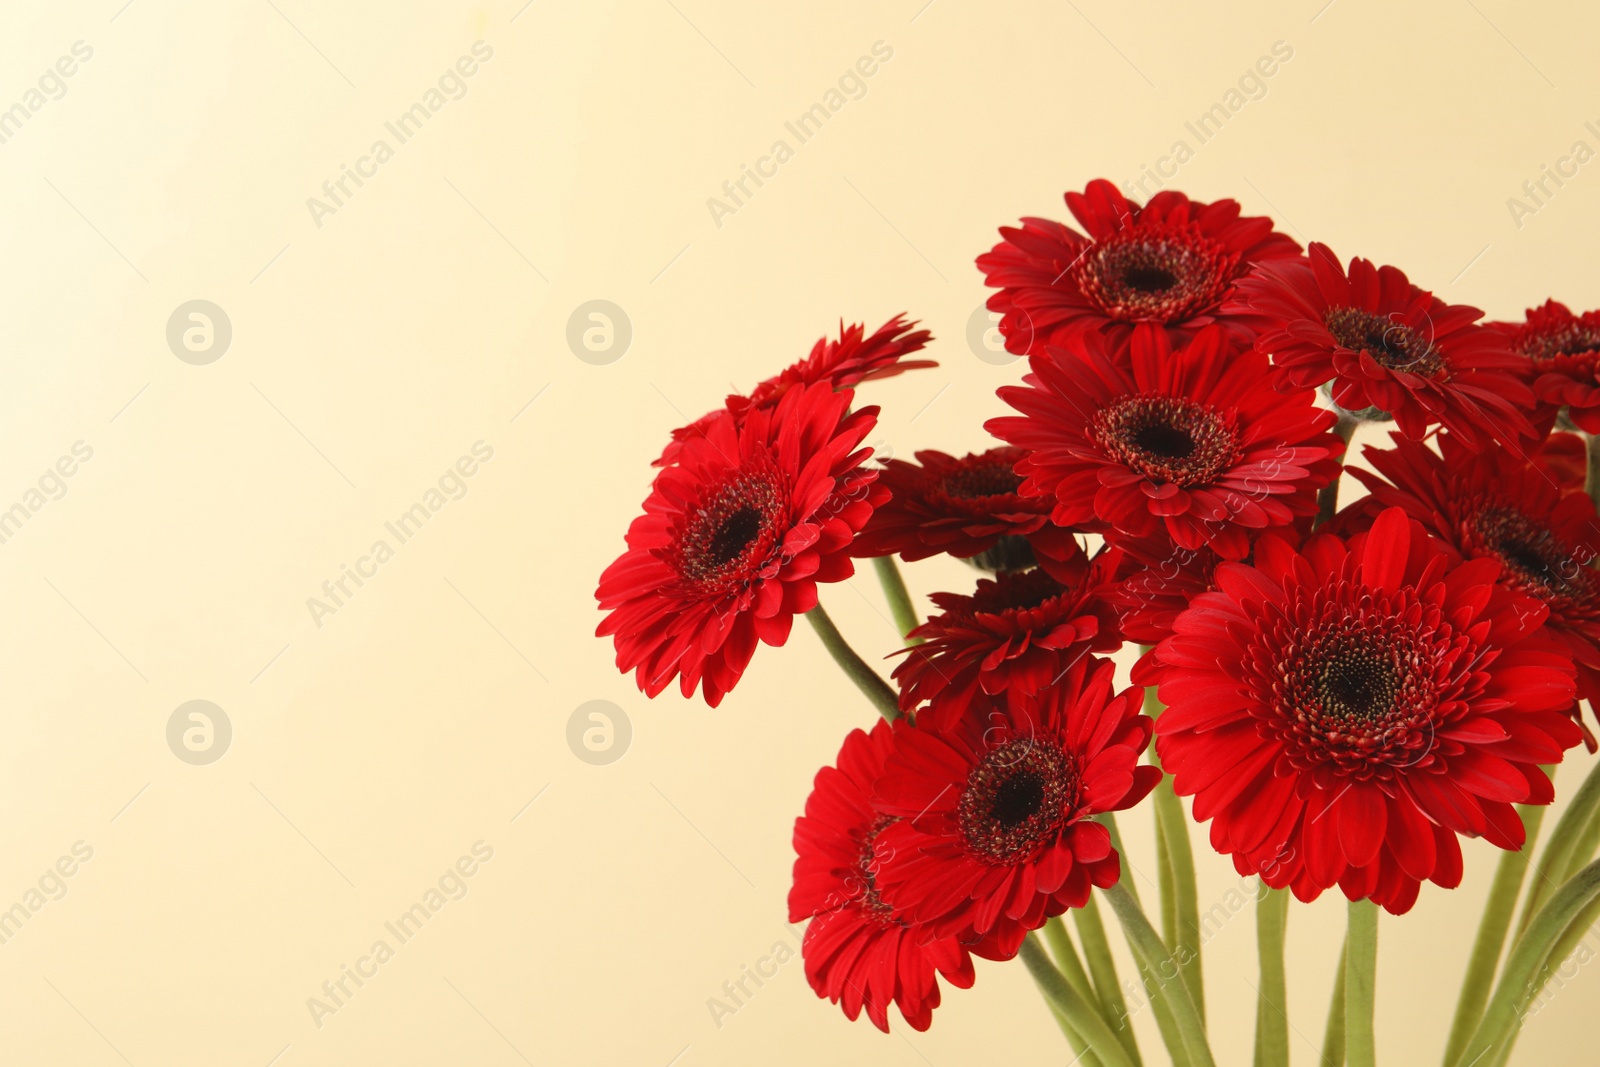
1528 559
1149 279
1015 591
1393 344
1352 680
979 481
1357 684
1016 800
1547 345
1167 439
1155 274
727 539
733 535
1536 559
1168 442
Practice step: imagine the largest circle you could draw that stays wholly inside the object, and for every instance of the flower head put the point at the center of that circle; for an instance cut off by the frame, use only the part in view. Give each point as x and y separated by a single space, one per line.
854 358
857 954
1342 712
1560 354
963 507
993 834
1194 442
735 538
1496 505
1385 344
1171 262
1020 630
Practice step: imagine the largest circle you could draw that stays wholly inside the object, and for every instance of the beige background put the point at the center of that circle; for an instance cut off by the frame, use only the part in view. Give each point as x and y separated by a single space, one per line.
371 352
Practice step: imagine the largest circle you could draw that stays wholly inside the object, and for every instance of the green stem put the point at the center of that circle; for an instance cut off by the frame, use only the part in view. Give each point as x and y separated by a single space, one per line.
1568 942
1333 1036
1180 899
1583 846
1272 1005
899 597
1067 961
1558 955
1186 938
1360 975
1103 970
1168 884
1080 1048
1497 915
855 668
1328 498
1522 979
1558 863
1168 978
1077 1012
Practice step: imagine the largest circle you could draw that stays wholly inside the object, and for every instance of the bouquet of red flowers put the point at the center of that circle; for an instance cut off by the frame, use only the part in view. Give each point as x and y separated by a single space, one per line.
1342 692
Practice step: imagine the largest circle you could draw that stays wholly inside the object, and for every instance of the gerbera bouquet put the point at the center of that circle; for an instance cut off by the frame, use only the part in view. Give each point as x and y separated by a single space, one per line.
1342 693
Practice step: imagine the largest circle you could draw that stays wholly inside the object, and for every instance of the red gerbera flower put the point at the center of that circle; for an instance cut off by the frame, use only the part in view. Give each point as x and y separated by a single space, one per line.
1387 345
1195 440
1342 712
1019 631
1561 359
994 835
857 954
735 538
963 507
1171 262
1497 505
852 359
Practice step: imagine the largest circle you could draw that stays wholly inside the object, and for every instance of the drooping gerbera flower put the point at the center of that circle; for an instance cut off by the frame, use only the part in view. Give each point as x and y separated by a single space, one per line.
1196 442
1019 630
1497 505
1560 355
1171 262
843 364
857 954
963 507
993 834
1341 713
1385 344
735 538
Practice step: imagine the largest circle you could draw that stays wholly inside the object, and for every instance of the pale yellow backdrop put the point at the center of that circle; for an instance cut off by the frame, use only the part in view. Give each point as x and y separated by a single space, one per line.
378 339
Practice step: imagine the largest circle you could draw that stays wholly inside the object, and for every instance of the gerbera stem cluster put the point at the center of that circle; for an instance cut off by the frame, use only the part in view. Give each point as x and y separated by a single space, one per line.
1343 691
